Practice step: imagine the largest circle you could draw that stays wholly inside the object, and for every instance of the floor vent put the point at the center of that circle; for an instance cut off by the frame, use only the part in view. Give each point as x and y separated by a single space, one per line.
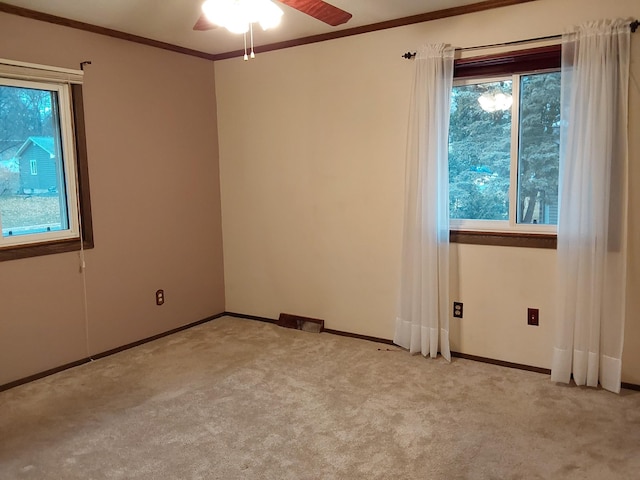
305 324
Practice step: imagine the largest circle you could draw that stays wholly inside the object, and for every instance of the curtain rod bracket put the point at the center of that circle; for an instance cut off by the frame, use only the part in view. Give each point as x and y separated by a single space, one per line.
409 55
82 64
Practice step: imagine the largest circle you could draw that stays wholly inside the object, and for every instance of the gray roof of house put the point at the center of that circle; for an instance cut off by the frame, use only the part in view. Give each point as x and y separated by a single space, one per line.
45 143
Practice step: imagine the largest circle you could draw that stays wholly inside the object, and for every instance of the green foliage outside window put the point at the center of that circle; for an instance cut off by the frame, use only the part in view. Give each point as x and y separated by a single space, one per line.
539 148
479 155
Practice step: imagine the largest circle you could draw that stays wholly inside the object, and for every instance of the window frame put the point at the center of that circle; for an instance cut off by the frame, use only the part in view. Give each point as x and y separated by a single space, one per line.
498 66
74 147
67 165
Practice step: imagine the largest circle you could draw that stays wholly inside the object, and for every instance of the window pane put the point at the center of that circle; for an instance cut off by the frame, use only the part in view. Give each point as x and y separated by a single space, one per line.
539 148
32 184
480 151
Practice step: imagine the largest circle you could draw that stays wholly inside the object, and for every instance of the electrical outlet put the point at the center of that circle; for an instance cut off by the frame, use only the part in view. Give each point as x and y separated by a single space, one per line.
533 316
457 309
159 297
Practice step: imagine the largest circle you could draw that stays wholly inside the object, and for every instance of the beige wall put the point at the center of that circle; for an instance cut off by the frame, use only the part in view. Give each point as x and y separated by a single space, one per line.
312 143
153 165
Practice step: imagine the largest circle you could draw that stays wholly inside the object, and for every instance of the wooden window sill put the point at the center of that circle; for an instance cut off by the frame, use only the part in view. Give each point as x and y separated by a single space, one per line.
504 239
45 248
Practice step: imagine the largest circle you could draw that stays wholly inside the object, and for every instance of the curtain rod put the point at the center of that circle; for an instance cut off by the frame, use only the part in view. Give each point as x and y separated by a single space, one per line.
409 55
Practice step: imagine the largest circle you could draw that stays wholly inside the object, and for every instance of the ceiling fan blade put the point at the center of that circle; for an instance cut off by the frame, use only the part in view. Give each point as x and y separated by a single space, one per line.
204 24
321 10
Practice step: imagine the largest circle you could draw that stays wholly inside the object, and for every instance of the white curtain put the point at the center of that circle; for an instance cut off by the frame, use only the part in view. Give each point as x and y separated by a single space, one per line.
422 324
592 229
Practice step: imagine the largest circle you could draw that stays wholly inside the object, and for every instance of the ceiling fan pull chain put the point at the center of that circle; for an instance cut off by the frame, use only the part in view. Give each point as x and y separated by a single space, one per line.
245 47
253 55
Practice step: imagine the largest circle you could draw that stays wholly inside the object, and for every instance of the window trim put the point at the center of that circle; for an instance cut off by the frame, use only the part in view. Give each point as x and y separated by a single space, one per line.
508 63
533 60
85 239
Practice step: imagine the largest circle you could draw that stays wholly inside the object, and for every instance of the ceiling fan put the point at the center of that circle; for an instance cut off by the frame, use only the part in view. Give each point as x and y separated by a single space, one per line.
317 9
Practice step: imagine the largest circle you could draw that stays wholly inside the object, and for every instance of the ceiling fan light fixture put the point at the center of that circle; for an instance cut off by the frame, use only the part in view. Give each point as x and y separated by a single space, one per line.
217 11
270 14
237 25
237 15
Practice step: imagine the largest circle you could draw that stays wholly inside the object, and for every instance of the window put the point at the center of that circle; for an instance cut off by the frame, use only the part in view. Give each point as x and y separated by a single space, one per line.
44 201
504 143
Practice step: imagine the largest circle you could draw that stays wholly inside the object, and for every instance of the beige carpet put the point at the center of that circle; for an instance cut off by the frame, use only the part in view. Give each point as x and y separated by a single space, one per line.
239 399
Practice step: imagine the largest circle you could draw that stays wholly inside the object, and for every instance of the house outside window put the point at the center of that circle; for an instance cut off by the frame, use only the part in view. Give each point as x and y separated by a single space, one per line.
504 143
42 171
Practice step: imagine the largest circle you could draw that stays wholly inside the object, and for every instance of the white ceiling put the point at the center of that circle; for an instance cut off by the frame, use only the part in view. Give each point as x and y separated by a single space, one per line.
172 21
